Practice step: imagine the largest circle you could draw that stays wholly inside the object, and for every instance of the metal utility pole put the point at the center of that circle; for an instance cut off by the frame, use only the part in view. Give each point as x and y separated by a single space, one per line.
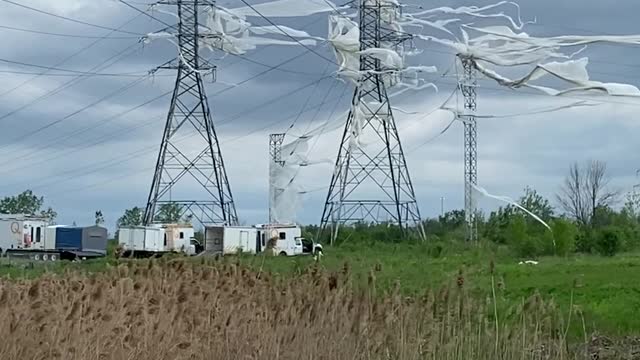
275 152
371 182
191 174
468 86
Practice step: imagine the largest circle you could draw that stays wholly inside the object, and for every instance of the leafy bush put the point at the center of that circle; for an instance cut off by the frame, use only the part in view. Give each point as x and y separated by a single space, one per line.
525 246
608 242
564 233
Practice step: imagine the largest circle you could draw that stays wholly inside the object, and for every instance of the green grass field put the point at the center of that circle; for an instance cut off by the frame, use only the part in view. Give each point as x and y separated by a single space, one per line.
606 290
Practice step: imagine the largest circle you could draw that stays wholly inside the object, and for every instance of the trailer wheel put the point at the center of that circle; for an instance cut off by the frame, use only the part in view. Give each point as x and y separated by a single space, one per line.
36 257
53 257
45 257
283 253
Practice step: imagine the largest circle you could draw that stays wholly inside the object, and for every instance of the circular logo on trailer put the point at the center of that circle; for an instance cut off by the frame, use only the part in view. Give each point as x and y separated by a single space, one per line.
15 227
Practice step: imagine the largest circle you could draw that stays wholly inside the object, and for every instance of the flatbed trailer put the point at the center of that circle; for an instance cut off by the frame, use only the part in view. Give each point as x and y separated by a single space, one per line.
51 255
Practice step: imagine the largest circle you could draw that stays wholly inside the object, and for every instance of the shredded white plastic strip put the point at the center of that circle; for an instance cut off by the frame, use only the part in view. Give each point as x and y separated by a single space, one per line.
287 8
510 201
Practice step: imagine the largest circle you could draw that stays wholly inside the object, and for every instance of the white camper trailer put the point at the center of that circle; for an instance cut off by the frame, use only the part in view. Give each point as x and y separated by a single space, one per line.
156 240
226 240
22 232
287 239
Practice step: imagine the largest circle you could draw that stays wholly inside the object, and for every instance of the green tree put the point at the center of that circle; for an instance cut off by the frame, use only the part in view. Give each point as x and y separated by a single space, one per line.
26 203
564 233
525 246
608 242
169 213
131 217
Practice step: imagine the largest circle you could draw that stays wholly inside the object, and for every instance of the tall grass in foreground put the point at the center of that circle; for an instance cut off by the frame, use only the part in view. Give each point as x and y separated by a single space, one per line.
185 310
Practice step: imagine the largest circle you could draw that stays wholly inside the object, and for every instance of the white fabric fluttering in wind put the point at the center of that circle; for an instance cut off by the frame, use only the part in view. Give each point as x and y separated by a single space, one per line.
229 30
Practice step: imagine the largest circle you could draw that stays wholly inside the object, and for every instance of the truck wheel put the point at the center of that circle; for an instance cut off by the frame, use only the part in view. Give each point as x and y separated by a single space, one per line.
53 257
283 253
36 257
45 257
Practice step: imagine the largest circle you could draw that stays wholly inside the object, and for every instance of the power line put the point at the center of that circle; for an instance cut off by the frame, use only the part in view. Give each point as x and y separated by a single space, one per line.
75 74
146 14
65 35
287 34
70 19
53 123
85 48
84 73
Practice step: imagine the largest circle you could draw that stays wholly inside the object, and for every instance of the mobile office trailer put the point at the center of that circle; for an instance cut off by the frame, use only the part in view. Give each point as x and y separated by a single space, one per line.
29 237
225 240
23 232
286 240
156 240
179 238
141 241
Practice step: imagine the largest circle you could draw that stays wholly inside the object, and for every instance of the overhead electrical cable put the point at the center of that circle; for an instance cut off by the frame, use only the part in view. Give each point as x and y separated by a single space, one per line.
287 34
65 35
105 64
70 19
76 72
63 61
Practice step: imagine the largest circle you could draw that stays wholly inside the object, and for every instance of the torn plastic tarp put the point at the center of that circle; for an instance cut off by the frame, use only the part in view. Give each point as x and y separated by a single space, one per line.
475 11
572 71
287 8
227 31
510 201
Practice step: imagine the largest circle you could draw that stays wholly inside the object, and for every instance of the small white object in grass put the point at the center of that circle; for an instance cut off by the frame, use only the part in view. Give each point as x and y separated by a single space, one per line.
528 262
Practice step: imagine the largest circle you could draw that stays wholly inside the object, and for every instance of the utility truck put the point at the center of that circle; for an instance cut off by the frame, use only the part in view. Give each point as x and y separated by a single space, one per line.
32 237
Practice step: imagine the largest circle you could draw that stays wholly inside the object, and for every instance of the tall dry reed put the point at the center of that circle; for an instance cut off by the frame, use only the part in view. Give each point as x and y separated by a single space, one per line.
184 310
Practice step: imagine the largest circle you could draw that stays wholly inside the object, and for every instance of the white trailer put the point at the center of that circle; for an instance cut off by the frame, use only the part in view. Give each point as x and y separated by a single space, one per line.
156 240
31 237
283 240
226 240
23 232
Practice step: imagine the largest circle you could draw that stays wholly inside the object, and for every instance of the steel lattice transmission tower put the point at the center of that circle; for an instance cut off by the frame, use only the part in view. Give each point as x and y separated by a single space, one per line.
371 182
191 173
275 153
468 85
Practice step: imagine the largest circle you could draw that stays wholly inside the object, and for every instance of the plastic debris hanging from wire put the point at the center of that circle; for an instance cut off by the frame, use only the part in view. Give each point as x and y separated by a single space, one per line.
230 31
492 48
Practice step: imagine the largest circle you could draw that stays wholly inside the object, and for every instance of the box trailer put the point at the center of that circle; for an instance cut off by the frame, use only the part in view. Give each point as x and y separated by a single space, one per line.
30 237
226 240
282 240
156 240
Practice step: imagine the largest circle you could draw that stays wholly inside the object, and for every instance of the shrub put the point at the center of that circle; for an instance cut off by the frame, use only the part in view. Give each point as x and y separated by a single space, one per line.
525 246
608 242
564 234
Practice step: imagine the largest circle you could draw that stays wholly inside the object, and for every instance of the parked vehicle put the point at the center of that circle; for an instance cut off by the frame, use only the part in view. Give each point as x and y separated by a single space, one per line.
226 240
32 237
282 240
157 240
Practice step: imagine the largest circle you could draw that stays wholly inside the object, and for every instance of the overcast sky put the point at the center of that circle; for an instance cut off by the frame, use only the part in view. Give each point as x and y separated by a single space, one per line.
90 160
